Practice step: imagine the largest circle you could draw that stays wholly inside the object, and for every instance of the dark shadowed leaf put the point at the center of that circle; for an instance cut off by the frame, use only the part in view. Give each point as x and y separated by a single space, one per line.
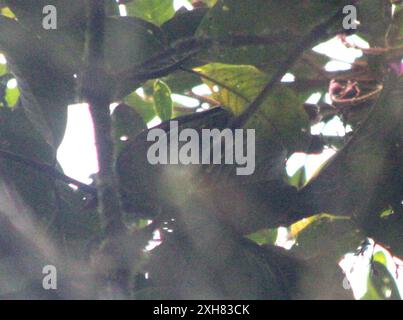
155 11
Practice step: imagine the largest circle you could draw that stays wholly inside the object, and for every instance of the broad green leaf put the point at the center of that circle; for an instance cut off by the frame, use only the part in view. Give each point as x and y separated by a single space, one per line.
144 107
155 11
162 100
280 119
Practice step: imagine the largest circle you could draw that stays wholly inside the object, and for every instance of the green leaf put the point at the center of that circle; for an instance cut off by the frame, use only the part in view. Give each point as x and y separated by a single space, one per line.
381 285
265 236
12 96
183 24
126 124
210 3
129 41
372 293
45 77
180 81
262 17
380 257
387 212
155 11
7 12
281 118
76 223
326 234
144 107
3 69
162 100
381 277
19 137
298 180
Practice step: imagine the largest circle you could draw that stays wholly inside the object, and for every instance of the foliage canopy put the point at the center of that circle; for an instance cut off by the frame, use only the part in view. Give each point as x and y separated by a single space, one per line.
218 231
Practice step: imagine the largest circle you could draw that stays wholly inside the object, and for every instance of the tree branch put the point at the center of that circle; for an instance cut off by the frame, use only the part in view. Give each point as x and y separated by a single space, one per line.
173 57
47 170
111 258
94 89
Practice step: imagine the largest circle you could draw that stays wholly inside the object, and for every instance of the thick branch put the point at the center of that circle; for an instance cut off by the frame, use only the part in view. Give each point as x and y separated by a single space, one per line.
95 90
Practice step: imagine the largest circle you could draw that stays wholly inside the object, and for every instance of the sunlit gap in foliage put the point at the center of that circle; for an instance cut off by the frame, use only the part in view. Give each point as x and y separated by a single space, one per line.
122 10
2 59
342 57
12 84
182 3
77 153
288 77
